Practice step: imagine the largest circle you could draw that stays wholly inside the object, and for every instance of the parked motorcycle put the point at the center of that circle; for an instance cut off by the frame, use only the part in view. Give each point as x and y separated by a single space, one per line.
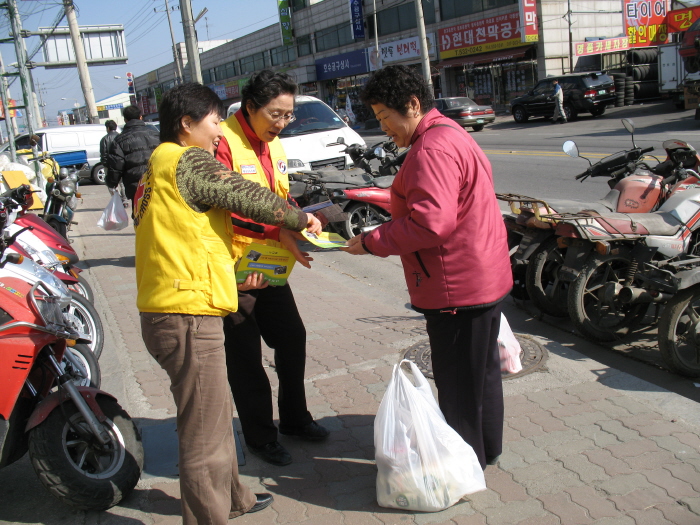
62 191
361 193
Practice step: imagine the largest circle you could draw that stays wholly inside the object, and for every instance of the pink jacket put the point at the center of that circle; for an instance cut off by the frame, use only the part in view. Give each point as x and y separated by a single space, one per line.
446 224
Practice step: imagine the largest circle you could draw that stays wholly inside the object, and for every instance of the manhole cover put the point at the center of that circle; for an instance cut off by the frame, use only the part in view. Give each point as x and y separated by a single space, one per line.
533 357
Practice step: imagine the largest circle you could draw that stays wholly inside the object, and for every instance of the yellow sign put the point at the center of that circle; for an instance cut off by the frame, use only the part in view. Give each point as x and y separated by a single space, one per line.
482 48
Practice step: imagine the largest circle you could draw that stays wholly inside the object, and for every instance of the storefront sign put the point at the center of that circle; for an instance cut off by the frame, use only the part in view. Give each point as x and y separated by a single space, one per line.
602 46
152 77
480 36
405 49
343 65
219 89
645 22
528 21
232 89
682 19
285 12
358 21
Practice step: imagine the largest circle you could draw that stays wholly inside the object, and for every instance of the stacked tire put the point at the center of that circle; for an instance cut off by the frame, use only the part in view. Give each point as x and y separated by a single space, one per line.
642 75
620 81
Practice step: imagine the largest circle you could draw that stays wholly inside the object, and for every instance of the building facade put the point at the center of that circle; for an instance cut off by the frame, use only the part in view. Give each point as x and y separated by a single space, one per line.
489 50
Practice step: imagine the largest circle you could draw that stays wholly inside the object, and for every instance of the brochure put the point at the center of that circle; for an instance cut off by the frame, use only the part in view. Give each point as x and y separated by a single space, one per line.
275 263
325 239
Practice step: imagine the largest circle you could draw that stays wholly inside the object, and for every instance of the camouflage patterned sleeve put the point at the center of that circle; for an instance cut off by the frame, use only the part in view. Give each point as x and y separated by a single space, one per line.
205 183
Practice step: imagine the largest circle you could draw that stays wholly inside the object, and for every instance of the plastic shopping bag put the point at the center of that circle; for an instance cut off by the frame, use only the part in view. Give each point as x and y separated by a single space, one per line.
422 463
114 216
509 348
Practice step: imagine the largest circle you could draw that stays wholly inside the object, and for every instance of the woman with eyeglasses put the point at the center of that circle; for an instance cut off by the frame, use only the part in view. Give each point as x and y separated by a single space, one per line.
251 146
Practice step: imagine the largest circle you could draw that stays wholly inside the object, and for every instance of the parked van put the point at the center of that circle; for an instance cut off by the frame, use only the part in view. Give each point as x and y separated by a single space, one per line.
306 140
61 139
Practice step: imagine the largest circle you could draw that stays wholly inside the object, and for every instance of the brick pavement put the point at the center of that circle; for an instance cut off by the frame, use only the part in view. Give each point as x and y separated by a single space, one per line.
581 445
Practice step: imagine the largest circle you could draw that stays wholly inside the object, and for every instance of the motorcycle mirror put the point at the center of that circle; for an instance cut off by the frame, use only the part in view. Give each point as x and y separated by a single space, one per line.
12 258
629 126
379 152
571 149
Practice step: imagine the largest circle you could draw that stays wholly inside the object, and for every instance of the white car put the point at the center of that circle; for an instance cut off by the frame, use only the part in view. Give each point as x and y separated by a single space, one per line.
306 140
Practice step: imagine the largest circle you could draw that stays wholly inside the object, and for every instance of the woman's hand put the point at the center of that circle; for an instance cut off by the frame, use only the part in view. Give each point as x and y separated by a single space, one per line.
254 281
288 239
314 225
354 246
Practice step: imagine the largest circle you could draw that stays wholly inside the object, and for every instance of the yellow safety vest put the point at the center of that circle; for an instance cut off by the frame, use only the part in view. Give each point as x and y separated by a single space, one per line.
245 161
184 259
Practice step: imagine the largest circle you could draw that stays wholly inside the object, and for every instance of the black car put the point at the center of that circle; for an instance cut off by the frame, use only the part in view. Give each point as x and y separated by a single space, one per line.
465 112
583 93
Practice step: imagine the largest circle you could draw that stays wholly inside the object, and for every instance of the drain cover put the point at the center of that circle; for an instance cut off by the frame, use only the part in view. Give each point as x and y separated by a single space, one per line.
533 357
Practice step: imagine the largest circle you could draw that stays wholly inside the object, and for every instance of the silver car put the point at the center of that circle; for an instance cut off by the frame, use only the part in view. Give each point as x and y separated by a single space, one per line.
465 112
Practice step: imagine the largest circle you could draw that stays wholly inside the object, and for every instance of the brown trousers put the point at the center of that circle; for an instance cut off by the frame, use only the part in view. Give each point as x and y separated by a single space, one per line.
191 350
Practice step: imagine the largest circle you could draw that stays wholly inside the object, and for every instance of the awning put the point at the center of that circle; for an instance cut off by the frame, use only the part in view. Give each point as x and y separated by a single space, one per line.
503 55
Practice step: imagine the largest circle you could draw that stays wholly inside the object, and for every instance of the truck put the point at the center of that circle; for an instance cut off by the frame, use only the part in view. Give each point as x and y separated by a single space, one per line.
675 80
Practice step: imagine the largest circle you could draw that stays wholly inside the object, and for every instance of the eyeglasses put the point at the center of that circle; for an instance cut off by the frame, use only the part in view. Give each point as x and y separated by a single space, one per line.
276 117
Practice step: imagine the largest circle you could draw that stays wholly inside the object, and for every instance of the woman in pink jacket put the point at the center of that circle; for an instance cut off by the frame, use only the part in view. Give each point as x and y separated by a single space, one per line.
448 230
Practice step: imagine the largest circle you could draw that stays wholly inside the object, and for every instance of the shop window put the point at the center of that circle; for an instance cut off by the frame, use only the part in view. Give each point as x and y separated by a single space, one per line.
304 45
206 76
333 37
282 55
298 5
248 64
402 17
103 113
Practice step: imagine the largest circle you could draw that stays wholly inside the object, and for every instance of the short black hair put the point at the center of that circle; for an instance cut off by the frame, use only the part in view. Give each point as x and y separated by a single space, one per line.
111 125
265 85
191 99
131 113
394 86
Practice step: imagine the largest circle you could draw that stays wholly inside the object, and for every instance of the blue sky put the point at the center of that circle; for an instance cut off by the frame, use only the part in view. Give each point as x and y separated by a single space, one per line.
147 36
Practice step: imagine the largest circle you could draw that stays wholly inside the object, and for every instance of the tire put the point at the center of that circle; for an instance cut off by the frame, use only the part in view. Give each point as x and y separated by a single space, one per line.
103 477
84 318
82 287
60 227
546 291
520 115
591 316
570 112
359 216
679 340
478 127
99 175
598 111
88 372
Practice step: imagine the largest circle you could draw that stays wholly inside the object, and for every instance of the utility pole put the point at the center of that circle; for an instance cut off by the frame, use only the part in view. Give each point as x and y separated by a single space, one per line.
6 96
191 41
81 62
176 58
21 52
425 59
376 37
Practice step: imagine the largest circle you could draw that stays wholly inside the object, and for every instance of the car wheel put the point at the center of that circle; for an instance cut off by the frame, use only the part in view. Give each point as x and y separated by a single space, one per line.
569 112
99 174
478 127
520 115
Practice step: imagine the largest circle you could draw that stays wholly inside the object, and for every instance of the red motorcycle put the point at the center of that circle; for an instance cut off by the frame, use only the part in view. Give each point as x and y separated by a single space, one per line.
82 444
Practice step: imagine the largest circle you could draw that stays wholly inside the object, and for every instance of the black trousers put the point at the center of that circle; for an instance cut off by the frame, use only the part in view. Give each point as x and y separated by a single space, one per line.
270 313
467 370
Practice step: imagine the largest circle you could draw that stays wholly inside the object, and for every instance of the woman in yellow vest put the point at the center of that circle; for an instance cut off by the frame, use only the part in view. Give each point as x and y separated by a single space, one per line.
251 146
186 285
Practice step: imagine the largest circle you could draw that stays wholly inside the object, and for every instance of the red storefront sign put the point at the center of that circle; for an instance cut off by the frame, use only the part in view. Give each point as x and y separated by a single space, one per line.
232 89
480 36
528 15
602 46
645 22
682 19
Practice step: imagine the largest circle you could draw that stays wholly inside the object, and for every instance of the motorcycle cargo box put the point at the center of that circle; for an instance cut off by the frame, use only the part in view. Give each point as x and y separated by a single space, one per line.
71 158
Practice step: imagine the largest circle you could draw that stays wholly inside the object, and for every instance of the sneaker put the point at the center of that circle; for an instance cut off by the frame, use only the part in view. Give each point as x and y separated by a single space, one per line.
272 453
311 432
261 501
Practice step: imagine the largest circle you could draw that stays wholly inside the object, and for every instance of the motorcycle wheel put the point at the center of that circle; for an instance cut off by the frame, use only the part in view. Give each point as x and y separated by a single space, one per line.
88 372
84 318
679 333
60 227
595 318
359 216
82 287
73 465
546 291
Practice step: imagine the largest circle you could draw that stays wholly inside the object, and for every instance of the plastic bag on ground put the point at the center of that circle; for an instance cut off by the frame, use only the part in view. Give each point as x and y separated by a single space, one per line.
509 349
422 463
114 216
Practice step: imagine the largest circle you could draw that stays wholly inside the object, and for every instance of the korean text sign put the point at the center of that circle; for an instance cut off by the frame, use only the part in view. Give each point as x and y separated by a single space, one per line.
682 19
479 36
645 22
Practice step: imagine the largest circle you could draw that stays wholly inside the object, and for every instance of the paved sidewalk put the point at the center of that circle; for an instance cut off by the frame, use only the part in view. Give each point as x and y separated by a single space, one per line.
583 443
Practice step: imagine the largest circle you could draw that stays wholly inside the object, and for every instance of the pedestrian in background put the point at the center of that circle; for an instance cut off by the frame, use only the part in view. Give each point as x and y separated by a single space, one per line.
130 151
558 95
447 227
186 284
105 144
251 146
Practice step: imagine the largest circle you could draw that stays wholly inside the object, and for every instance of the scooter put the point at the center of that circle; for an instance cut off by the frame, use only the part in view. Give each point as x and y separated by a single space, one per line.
62 191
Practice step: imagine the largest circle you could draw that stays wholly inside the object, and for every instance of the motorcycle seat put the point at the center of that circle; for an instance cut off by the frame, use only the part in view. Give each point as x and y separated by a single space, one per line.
604 205
384 182
638 224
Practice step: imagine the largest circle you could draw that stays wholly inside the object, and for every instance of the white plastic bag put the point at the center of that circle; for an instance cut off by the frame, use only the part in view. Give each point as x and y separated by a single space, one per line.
114 216
422 463
509 348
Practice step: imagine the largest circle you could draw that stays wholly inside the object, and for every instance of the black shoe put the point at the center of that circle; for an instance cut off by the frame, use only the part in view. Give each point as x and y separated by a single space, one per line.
263 500
311 432
492 461
273 453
